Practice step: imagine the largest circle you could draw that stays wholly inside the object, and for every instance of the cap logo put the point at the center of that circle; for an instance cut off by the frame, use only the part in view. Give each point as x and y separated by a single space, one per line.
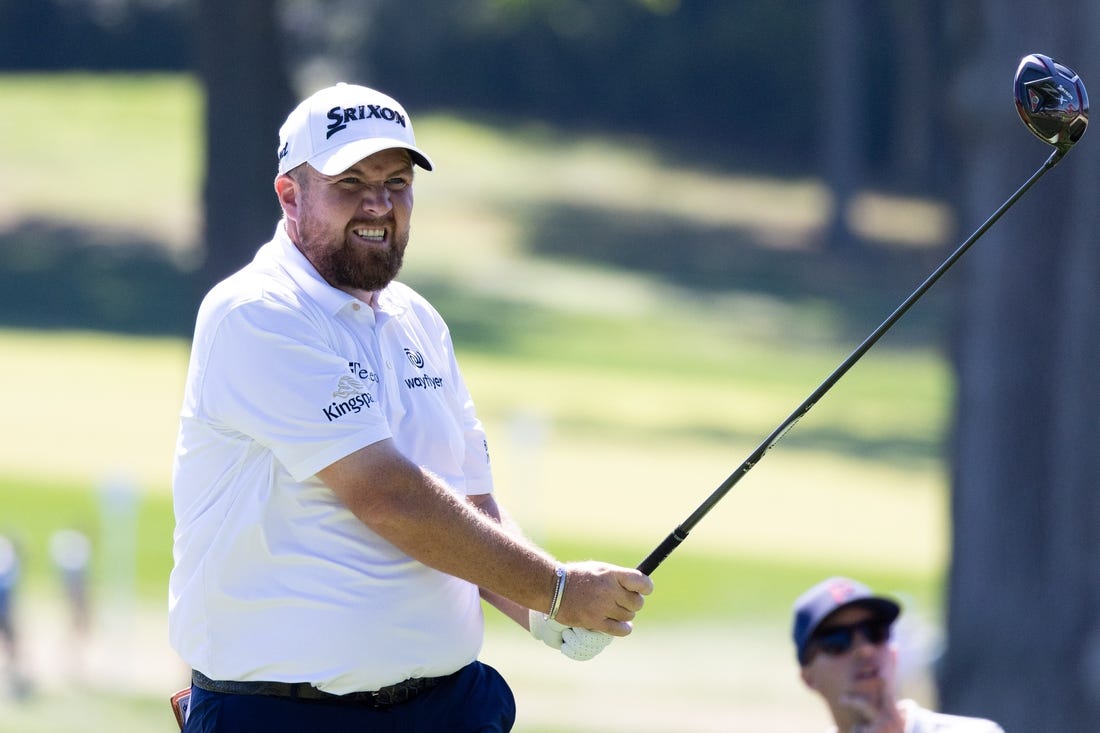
341 116
840 591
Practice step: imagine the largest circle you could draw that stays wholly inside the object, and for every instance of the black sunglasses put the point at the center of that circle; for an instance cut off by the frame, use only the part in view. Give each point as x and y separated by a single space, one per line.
837 640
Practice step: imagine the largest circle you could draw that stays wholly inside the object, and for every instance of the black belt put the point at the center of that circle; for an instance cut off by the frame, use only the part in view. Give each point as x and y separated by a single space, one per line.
381 698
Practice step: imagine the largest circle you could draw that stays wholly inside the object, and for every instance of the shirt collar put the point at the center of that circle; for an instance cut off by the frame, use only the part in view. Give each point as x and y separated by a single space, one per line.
386 302
302 271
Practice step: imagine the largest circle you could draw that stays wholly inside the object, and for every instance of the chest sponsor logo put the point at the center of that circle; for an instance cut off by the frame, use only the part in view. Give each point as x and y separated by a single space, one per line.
361 372
423 381
350 396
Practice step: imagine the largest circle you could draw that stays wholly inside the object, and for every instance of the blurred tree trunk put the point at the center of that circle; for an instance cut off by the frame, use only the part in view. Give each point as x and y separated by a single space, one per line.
248 95
1023 612
844 120
916 158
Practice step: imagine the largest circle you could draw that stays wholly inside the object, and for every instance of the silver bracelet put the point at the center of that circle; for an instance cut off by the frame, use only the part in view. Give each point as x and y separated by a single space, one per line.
555 602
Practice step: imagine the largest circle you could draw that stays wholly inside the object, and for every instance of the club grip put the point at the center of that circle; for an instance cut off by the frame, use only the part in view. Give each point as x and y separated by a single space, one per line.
662 551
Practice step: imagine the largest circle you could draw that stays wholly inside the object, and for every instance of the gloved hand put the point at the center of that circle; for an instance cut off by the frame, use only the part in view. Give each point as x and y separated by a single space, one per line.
576 643
547 631
582 644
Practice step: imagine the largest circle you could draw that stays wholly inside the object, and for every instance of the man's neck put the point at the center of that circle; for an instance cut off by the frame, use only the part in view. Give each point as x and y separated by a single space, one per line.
847 719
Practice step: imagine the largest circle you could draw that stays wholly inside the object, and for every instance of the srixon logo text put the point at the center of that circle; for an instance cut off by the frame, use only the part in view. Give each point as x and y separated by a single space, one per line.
341 116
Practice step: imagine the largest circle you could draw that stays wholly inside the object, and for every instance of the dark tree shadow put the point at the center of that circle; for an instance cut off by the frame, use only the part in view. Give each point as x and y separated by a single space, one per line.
59 277
862 286
64 277
55 277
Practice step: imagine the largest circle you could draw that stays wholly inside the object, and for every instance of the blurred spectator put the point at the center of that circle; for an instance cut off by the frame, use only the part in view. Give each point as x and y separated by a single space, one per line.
843 635
9 578
71 552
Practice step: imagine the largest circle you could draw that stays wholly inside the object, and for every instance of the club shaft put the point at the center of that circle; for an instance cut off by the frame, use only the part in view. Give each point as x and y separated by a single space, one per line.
678 535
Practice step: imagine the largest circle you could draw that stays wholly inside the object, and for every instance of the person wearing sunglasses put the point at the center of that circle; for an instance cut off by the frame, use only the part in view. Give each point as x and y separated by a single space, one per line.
842 635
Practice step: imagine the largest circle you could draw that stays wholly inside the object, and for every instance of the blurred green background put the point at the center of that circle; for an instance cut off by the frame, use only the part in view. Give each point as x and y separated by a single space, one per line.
615 400
654 228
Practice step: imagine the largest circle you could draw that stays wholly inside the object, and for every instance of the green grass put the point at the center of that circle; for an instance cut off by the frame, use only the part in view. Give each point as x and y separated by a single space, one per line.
625 452
697 426
87 709
695 585
114 150
35 508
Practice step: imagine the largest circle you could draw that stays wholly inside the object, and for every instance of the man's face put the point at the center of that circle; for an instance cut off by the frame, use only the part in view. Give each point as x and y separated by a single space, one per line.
865 670
353 226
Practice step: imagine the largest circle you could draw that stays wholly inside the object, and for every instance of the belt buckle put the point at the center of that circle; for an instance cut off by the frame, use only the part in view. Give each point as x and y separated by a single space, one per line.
397 693
383 698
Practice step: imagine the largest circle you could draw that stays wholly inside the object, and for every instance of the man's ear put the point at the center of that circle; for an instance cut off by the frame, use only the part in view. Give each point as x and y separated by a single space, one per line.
288 191
807 677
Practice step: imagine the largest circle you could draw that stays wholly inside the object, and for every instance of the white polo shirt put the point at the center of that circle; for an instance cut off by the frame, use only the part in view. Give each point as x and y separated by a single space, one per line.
274 578
922 720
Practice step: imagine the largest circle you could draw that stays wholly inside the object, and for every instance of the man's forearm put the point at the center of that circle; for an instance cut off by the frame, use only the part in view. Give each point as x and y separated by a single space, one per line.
415 511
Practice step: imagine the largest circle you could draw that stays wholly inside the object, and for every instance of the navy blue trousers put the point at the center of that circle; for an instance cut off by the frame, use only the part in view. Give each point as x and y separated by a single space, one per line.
476 699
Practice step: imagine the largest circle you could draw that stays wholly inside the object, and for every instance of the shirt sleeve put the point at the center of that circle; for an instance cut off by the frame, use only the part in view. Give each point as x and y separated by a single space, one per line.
276 377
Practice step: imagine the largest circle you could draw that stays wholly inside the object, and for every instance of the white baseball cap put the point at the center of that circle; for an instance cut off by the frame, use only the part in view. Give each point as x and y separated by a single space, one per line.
340 125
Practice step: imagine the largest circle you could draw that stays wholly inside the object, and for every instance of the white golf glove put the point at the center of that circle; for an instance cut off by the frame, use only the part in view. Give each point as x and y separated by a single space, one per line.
547 631
577 644
582 644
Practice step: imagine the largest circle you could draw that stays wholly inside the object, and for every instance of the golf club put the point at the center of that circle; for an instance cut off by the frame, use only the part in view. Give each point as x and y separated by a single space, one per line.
1052 102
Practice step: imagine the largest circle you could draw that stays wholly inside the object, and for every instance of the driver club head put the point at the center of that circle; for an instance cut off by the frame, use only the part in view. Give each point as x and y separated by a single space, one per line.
1051 100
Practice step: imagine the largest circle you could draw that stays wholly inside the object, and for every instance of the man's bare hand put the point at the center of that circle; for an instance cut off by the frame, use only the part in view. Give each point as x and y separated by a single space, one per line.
872 718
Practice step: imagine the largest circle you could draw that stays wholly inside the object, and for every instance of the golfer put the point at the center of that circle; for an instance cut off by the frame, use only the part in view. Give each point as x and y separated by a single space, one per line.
842 635
336 527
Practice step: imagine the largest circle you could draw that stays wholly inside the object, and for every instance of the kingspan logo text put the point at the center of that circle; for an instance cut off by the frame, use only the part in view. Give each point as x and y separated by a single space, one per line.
337 410
341 116
356 398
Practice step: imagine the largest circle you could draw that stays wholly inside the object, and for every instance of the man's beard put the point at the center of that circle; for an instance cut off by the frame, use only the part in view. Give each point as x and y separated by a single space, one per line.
358 267
355 267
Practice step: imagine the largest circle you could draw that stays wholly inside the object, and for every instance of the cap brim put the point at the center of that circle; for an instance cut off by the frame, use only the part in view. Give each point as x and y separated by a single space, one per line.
883 609
342 157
